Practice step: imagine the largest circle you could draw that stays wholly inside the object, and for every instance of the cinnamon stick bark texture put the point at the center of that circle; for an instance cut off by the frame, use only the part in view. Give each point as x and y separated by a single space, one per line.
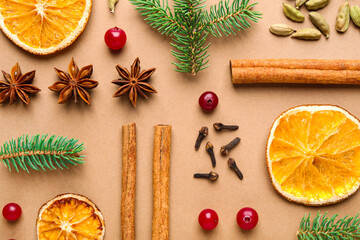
303 71
128 182
161 167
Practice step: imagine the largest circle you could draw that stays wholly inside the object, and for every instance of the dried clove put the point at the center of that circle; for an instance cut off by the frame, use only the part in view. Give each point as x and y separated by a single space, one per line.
232 165
212 176
202 134
210 149
224 150
220 126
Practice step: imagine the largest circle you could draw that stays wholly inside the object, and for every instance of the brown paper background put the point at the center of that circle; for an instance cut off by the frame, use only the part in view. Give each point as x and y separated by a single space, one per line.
254 108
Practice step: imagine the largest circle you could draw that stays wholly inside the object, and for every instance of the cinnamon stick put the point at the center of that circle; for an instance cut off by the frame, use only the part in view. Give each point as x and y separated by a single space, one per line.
128 182
161 167
304 71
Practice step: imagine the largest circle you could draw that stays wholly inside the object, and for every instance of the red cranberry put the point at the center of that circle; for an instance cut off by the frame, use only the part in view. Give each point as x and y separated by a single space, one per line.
208 219
208 101
247 218
11 212
115 38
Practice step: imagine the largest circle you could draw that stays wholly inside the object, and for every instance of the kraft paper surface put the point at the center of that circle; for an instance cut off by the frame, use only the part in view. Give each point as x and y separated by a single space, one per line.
253 108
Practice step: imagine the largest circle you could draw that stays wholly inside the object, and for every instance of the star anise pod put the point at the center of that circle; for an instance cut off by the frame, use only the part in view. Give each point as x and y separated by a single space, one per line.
17 85
134 82
75 83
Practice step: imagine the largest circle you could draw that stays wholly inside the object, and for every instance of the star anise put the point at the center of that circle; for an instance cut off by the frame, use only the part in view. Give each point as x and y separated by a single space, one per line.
17 85
75 83
134 82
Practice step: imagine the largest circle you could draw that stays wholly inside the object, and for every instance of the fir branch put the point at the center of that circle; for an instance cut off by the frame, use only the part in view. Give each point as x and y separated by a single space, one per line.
190 25
223 18
40 152
324 228
189 41
158 15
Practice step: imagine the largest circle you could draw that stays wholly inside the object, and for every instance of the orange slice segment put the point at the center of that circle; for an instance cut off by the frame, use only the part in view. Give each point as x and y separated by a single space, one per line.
323 125
282 149
285 168
313 154
294 129
44 26
70 217
346 138
329 168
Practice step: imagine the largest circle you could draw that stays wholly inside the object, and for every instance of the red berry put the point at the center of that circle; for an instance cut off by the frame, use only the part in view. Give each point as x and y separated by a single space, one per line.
208 101
115 38
208 219
247 218
11 212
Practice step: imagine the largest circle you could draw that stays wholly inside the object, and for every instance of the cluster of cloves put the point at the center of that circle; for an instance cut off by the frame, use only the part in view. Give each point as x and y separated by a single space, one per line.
224 150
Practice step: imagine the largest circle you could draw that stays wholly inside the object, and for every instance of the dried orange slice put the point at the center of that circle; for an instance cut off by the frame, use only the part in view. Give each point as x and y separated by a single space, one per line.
43 26
313 154
70 217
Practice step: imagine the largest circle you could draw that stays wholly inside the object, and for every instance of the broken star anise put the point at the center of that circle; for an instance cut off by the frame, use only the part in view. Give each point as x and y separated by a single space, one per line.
75 83
134 82
17 85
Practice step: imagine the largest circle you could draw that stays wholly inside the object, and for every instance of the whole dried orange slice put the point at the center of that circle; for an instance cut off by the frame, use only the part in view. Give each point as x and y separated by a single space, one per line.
313 154
43 26
70 217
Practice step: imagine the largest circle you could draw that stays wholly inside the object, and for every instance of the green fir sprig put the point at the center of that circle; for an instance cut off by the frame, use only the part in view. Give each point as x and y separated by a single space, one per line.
40 153
190 23
324 228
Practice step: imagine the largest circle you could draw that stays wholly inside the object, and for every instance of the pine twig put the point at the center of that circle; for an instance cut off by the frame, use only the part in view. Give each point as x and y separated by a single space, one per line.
225 19
190 24
324 228
159 15
40 153
189 41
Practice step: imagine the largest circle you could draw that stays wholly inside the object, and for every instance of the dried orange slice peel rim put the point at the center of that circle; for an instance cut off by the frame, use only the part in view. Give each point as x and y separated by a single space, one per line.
75 196
277 186
72 36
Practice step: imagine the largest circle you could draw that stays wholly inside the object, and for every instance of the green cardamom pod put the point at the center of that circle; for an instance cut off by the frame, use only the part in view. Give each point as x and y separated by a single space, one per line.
355 15
281 29
111 4
307 34
316 4
343 17
320 22
292 13
299 3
